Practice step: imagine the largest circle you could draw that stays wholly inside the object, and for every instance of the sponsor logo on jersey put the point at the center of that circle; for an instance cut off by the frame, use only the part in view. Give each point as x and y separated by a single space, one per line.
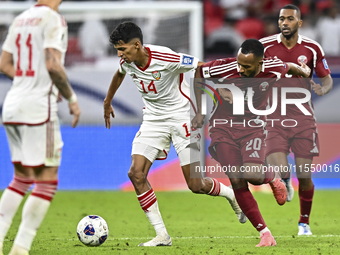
325 63
187 60
315 150
302 59
264 86
156 75
255 154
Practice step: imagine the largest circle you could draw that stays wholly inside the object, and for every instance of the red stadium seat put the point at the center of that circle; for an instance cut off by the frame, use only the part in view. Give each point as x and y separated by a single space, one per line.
250 28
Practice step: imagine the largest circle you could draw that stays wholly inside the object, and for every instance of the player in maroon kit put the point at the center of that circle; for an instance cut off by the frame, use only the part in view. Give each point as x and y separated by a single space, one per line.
302 139
238 141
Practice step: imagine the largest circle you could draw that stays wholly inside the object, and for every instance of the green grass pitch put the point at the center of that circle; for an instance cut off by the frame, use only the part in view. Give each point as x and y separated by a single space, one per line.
198 224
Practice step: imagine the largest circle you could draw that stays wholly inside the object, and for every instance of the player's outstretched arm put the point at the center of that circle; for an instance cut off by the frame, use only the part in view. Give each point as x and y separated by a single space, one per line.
59 78
200 63
303 70
7 64
327 85
117 80
198 120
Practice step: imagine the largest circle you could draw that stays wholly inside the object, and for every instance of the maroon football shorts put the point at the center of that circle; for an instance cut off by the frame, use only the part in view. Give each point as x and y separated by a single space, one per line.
303 141
238 147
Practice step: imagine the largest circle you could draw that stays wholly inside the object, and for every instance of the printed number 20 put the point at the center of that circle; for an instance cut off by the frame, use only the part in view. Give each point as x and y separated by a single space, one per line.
254 144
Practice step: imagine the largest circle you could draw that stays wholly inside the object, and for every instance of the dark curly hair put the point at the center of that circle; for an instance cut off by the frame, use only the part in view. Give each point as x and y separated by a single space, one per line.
252 46
125 32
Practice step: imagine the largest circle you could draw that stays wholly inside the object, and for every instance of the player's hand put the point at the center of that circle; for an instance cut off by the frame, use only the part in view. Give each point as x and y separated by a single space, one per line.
198 121
108 112
75 110
226 95
317 88
305 70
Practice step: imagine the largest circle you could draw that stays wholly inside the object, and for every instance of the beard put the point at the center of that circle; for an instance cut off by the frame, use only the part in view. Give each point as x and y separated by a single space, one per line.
290 35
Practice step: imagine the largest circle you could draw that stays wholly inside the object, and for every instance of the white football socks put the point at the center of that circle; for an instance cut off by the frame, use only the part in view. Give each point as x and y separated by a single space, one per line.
33 213
226 192
9 204
219 189
149 204
155 218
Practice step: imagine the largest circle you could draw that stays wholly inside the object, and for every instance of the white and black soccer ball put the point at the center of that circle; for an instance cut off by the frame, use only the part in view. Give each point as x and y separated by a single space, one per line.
92 230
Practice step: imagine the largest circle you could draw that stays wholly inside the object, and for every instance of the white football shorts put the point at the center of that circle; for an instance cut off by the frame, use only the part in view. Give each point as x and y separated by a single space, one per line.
34 146
160 133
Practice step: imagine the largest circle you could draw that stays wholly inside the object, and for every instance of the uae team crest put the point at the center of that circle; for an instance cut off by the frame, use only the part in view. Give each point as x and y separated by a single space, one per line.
156 75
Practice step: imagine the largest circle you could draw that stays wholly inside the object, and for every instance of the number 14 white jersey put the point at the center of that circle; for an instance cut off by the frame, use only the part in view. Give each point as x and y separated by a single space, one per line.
33 99
161 82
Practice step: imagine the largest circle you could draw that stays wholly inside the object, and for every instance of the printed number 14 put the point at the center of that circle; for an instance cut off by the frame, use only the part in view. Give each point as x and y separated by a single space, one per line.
150 88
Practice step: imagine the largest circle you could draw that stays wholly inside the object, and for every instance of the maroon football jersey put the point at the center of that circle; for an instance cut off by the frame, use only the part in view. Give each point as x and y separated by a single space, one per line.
307 51
225 71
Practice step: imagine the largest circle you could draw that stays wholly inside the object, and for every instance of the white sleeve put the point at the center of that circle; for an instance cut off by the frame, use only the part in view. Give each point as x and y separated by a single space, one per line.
185 64
55 33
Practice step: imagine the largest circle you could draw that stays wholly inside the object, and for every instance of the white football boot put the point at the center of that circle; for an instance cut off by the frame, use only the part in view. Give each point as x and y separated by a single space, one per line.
17 250
158 241
304 230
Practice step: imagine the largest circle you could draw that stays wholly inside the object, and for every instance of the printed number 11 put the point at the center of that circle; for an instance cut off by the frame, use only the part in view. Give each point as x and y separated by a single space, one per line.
29 72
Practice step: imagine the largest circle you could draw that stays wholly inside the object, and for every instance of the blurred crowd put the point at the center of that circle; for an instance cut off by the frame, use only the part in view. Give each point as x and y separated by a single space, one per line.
228 22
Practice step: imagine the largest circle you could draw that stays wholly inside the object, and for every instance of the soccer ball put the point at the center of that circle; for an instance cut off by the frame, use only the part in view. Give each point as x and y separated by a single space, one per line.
92 230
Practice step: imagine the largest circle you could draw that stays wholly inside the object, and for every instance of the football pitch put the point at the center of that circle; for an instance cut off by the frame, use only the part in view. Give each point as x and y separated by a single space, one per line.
198 224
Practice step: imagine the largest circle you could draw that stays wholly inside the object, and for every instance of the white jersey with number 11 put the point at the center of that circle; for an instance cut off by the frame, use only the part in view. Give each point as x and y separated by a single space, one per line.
32 99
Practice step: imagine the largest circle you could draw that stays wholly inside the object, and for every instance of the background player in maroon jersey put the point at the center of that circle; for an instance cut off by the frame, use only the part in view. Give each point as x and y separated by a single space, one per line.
302 139
243 146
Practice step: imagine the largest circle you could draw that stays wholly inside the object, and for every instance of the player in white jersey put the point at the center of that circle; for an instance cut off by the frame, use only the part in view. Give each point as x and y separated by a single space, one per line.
158 74
33 56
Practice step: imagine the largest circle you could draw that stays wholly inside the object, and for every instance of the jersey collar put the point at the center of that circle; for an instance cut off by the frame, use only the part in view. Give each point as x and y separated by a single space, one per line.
278 37
148 64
